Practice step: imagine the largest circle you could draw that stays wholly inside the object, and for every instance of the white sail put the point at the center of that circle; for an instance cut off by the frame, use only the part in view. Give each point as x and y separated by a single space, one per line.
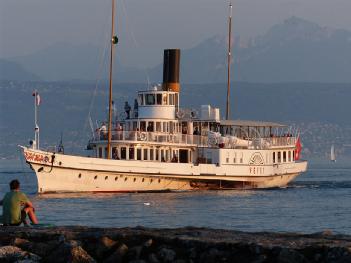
332 153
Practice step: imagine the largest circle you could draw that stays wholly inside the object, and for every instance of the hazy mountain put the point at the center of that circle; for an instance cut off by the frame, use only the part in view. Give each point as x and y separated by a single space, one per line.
13 71
294 51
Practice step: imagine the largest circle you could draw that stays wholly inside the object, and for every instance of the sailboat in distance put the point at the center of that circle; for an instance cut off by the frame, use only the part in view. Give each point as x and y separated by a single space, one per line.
332 154
158 146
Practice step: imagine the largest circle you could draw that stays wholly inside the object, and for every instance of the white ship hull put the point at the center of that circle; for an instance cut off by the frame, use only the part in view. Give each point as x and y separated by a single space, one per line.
67 173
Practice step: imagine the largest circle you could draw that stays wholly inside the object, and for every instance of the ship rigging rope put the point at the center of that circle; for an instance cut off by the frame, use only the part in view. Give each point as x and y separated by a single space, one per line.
132 35
102 61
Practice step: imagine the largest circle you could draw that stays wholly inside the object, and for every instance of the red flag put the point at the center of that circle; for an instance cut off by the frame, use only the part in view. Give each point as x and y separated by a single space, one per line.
298 149
37 97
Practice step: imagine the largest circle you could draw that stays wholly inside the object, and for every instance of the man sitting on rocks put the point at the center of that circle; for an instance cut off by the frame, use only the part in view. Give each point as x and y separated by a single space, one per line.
12 203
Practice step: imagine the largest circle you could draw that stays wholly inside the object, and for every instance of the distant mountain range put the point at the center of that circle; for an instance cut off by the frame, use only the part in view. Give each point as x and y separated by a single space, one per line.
294 51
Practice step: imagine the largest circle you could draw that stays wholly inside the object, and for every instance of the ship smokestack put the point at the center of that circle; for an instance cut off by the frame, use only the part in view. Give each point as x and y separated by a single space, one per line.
171 60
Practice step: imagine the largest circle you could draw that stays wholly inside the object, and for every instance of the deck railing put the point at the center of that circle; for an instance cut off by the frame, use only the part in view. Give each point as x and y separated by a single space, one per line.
202 141
155 137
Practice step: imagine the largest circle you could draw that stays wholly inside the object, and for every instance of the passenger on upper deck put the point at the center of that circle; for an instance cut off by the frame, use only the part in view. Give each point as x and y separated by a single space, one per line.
196 131
135 110
127 109
103 131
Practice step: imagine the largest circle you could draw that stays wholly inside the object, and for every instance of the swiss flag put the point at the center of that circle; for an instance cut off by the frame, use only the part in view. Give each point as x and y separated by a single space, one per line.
298 149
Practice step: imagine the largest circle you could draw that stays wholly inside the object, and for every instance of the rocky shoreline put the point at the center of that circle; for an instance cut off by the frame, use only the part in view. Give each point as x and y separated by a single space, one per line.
190 244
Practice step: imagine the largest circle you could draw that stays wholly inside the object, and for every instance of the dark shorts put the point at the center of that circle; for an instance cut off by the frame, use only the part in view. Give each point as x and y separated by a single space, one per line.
18 224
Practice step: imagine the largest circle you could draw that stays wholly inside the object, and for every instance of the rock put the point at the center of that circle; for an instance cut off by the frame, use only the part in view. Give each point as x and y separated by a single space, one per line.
12 254
148 243
101 248
153 258
117 255
290 256
134 253
70 252
166 254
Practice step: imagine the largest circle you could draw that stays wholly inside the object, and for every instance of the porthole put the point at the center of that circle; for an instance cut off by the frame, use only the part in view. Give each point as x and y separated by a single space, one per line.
95 177
134 179
151 180
106 177
80 176
116 178
143 180
159 180
60 163
125 179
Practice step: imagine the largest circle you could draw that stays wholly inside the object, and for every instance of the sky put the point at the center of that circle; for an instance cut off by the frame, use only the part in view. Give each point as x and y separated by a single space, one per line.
146 27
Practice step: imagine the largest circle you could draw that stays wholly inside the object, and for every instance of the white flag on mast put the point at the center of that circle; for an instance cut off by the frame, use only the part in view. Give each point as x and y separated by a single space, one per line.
37 98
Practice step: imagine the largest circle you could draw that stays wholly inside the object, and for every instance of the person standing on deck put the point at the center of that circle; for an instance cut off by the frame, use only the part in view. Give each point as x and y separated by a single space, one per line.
12 203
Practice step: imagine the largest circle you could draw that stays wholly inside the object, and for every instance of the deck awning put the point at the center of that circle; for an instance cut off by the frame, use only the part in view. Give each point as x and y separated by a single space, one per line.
249 123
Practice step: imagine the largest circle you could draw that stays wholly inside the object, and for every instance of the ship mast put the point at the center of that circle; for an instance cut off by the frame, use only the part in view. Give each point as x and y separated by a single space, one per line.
114 41
229 58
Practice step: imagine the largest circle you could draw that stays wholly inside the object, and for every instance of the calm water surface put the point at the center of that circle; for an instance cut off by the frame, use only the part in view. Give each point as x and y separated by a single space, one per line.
319 199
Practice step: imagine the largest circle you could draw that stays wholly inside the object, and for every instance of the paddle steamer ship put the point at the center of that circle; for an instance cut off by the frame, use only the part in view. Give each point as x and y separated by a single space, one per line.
160 147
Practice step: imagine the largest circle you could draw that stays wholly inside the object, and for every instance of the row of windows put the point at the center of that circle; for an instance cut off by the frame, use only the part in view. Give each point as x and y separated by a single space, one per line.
283 156
148 154
158 99
154 126
125 179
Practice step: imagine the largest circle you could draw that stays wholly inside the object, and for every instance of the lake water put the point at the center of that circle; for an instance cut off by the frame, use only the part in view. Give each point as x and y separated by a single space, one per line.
319 199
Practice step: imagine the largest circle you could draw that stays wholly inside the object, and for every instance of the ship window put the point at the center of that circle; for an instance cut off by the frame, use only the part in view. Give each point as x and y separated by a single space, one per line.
156 154
273 157
176 99
284 157
158 126
105 152
165 99
116 178
115 153
159 99
279 157
145 154
95 177
150 126
134 179
142 126
150 99
151 154
139 154
80 176
151 180
293 155
106 177
227 160
123 153
100 152
125 179
165 127
171 99
131 153
159 180
141 99
143 180
135 125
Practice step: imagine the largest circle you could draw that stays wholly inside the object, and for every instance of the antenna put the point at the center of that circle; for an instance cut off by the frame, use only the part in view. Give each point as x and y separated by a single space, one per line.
229 57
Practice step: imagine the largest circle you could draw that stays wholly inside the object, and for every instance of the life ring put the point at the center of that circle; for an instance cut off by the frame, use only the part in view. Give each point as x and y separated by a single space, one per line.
180 114
143 136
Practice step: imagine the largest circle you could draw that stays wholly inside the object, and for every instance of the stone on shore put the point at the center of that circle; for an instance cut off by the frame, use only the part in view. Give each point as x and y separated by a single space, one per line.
143 245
